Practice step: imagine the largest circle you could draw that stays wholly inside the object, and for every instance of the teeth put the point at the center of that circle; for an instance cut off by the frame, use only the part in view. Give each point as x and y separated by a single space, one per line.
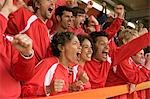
89 55
104 54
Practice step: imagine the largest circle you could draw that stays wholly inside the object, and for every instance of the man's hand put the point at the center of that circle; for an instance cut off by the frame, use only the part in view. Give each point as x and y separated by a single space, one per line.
23 44
76 86
132 88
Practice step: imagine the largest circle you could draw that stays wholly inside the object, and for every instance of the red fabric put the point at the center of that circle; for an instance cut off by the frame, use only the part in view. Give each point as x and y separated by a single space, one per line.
3 25
60 3
114 27
38 32
127 70
35 86
13 68
49 24
97 28
77 31
97 73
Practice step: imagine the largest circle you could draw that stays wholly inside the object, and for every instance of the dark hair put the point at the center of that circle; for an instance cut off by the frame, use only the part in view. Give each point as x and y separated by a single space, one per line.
77 10
60 39
60 10
94 35
147 50
83 37
32 3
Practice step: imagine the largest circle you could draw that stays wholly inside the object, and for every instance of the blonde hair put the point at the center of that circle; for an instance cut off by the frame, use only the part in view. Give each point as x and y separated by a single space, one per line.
127 35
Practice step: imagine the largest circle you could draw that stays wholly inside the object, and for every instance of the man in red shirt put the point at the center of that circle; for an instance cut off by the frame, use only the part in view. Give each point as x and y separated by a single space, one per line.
14 67
79 18
63 16
98 68
23 21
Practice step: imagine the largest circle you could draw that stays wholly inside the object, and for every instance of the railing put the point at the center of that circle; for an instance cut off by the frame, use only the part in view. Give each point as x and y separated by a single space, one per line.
103 93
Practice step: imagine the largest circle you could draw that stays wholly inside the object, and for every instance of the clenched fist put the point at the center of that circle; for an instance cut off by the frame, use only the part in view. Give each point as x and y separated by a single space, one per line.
23 44
58 85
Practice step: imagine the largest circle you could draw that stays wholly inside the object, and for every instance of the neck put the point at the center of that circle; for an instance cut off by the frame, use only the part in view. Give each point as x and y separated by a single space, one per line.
81 62
61 29
64 62
96 58
76 25
40 17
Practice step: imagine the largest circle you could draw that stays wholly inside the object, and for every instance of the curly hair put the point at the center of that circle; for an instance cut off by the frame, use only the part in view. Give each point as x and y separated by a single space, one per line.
60 39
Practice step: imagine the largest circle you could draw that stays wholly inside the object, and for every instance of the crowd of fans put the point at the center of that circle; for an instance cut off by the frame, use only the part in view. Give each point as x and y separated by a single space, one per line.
51 47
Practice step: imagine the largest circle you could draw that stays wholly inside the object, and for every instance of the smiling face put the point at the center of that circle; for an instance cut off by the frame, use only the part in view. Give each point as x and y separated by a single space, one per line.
86 51
101 48
71 50
45 9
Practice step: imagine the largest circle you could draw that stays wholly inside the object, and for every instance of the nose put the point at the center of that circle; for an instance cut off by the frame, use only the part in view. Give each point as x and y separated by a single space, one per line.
90 50
107 46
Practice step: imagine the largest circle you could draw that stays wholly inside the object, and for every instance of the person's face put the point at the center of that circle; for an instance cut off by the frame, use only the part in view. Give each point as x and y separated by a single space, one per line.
101 48
138 58
79 19
86 51
71 50
46 8
66 20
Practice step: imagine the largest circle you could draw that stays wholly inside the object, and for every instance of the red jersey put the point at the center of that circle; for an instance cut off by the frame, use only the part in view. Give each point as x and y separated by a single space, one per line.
98 71
114 27
46 72
132 74
23 21
13 67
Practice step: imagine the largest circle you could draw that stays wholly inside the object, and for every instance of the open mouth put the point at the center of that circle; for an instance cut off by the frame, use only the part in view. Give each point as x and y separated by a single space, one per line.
105 54
50 10
89 55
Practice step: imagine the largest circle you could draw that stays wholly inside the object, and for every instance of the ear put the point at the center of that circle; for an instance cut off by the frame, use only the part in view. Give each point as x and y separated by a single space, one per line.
61 48
58 18
37 4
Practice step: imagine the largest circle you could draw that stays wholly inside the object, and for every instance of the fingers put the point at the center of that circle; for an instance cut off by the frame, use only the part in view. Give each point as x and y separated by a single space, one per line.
58 85
132 88
84 78
22 40
23 44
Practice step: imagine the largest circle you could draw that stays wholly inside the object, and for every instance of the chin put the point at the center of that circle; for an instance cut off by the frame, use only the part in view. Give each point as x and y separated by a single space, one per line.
104 60
89 59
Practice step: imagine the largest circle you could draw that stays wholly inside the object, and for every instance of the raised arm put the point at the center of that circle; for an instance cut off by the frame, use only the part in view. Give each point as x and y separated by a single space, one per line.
116 24
23 63
130 48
